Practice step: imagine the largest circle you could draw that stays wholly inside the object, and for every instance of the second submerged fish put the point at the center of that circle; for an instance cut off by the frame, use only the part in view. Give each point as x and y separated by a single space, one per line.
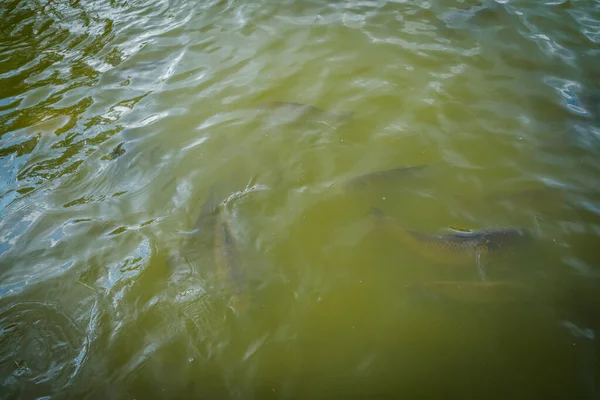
458 247
385 176
230 266
308 110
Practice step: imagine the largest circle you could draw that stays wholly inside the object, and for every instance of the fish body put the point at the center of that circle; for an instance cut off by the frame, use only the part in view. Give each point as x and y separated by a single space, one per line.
206 221
308 110
230 267
212 231
201 238
295 106
385 176
458 247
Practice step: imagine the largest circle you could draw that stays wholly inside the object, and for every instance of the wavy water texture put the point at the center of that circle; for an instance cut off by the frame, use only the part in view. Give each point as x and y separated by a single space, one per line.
123 122
42 349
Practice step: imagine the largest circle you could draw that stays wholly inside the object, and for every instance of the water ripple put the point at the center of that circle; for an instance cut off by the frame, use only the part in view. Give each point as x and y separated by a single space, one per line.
42 349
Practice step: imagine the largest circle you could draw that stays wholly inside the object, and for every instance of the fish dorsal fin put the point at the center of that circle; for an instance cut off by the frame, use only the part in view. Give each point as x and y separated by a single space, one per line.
456 229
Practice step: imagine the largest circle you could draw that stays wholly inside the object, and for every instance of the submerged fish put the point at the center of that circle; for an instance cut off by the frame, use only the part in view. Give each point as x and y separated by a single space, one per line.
230 267
308 110
458 247
201 238
206 221
384 176
204 227
213 232
294 105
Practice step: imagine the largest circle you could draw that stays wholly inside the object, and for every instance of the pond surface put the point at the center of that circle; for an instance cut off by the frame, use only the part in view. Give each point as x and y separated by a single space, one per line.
299 199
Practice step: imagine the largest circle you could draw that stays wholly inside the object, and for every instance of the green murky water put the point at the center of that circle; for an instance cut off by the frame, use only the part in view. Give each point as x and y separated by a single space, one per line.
123 122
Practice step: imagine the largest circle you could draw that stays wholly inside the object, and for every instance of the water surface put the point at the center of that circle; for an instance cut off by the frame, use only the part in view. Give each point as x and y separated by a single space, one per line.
122 123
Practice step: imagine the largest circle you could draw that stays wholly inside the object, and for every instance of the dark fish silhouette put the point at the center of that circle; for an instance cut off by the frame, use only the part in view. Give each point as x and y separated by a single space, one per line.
201 238
204 226
458 247
230 266
296 106
308 111
212 235
385 176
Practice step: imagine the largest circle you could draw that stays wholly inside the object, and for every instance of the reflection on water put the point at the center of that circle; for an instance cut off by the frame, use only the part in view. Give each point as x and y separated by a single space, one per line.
186 192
